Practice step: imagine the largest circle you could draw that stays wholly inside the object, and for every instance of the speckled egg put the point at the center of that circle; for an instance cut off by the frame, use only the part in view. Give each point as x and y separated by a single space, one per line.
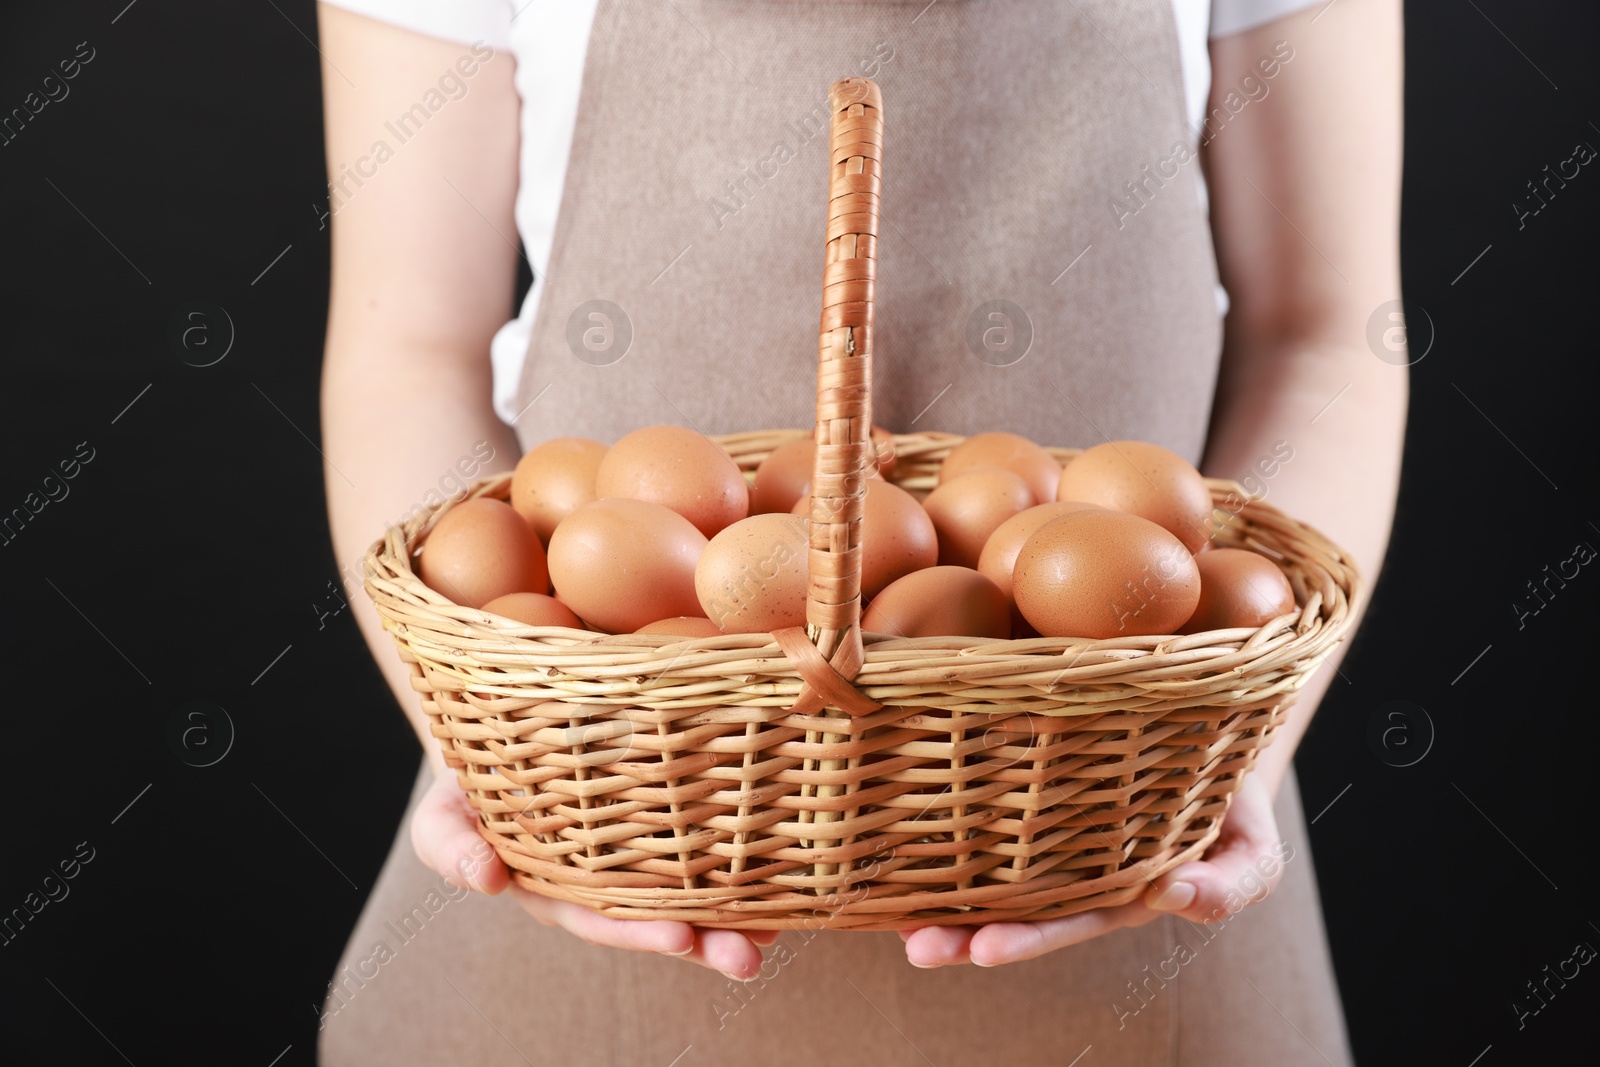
1145 480
1008 451
679 469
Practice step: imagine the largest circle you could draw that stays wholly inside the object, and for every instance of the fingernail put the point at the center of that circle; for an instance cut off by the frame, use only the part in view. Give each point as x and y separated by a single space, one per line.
975 963
924 966
685 952
1175 897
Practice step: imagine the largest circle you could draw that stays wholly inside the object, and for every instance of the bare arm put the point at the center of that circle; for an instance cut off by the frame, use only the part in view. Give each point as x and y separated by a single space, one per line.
1305 195
420 283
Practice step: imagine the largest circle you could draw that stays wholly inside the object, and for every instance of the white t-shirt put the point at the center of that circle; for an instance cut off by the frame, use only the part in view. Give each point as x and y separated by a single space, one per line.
548 39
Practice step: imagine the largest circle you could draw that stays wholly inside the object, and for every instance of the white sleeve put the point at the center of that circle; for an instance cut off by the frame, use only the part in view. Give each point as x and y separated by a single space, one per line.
462 21
1235 16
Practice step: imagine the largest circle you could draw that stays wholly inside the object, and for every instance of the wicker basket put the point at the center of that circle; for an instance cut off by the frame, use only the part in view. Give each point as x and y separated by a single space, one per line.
814 778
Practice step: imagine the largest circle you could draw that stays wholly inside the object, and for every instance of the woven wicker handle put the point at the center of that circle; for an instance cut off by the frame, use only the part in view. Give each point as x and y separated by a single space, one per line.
844 372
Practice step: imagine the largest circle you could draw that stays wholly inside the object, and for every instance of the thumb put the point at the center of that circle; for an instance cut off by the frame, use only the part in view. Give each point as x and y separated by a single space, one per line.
445 836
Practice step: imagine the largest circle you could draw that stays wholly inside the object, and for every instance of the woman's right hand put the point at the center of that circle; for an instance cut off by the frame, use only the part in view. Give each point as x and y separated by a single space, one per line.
444 833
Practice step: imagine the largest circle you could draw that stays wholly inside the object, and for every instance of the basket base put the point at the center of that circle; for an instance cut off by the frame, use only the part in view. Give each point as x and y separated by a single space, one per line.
994 852
883 912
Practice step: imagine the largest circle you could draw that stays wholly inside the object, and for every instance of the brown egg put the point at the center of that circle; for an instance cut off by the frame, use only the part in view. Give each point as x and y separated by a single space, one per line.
940 602
897 537
999 555
968 508
481 549
1102 574
783 477
1145 480
1238 588
678 469
752 576
681 626
1009 452
554 479
623 563
534 609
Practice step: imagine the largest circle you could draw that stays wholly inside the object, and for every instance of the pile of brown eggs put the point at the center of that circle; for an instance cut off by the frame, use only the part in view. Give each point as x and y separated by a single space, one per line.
662 533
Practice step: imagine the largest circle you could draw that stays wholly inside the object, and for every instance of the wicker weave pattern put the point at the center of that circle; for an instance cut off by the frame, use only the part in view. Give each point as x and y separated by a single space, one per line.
844 364
651 777
809 778
828 654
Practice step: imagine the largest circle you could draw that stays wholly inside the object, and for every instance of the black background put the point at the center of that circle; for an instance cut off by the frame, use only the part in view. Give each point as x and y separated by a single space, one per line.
193 549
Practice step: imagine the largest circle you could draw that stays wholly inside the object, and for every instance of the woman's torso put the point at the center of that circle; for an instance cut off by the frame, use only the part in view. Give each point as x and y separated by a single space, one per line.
1012 132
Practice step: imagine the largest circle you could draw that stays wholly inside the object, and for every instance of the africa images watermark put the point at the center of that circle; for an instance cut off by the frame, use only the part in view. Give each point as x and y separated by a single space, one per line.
52 890
53 89
1583 553
1251 888
1582 154
742 994
55 489
402 931
749 586
1544 987
453 485
1172 562
452 85
1137 193
739 191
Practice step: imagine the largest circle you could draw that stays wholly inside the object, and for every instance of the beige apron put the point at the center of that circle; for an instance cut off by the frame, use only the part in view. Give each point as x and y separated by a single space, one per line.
1045 268
1044 265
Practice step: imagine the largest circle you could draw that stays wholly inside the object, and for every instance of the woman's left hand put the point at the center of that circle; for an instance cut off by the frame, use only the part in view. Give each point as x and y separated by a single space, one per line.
1239 869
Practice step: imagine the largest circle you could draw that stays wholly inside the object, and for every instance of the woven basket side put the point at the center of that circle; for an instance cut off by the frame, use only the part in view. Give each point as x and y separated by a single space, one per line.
649 777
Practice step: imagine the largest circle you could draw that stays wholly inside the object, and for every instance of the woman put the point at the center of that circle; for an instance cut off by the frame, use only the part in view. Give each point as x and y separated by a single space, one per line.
1047 267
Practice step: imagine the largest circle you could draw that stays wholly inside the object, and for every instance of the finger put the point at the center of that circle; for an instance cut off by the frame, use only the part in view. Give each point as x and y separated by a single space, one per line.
938 946
999 943
764 938
445 836
652 935
728 951
1240 869
1212 889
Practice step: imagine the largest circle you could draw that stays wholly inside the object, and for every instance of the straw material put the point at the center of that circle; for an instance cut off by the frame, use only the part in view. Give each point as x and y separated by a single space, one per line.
817 778
844 448
651 777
